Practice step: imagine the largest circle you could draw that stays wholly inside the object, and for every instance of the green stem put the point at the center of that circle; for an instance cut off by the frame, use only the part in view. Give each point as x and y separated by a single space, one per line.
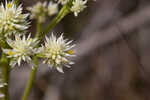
31 79
34 69
63 12
5 75
38 28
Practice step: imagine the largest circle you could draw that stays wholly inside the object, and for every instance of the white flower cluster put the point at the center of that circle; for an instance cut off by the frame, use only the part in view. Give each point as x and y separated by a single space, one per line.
62 1
40 10
78 6
21 49
12 21
56 52
52 8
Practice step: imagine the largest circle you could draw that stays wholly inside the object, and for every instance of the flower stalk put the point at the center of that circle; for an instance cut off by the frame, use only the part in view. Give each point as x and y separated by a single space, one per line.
5 75
38 28
63 12
31 79
33 70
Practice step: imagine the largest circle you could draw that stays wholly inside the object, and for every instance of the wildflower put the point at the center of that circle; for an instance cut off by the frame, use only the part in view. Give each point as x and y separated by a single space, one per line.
78 6
38 11
52 8
63 1
22 49
12 21
57 52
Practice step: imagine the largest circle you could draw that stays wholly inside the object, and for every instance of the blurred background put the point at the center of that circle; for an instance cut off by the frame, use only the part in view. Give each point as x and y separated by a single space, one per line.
113 59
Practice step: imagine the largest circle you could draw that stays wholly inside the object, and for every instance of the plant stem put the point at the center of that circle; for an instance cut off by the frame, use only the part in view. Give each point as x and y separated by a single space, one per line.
34 69
5 75
63 12
38 28
31 79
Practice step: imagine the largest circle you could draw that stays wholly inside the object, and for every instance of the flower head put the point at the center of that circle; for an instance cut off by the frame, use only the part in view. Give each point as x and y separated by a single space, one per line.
12 21
22 49
52 8
62 1
56 52
78 6
38 11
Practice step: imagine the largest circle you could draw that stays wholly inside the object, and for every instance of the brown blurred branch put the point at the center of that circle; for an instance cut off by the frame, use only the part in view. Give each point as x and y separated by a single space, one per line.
107 13
124 25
